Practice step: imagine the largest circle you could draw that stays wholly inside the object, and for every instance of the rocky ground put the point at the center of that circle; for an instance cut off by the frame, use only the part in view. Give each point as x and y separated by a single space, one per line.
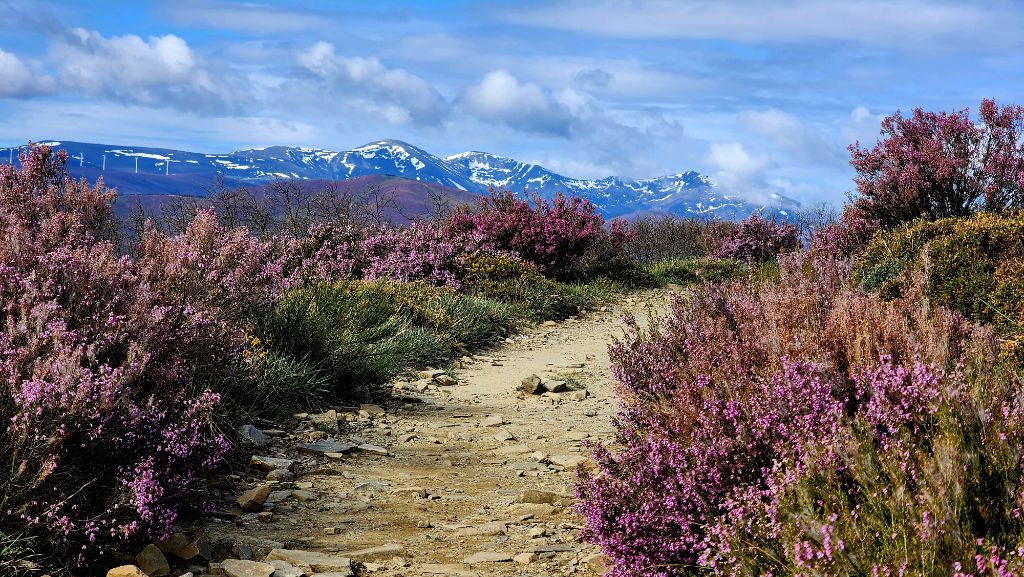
468 472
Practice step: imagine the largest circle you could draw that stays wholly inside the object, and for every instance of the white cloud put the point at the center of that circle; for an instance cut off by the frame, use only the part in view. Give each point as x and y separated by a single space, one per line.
862 126
800 142
394 94
158 71
738 171
501 97
16 80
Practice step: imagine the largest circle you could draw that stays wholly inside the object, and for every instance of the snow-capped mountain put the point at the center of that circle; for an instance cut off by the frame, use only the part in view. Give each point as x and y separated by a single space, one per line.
139 170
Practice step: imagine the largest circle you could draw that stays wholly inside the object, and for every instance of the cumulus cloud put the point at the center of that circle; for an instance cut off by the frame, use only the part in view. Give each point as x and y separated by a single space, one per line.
394 94
501 97
740 172
801 143
17 80
862 126
158 71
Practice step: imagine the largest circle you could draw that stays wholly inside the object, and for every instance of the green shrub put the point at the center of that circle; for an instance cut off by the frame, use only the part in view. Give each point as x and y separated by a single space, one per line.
344 340
686 272
972 265
530 295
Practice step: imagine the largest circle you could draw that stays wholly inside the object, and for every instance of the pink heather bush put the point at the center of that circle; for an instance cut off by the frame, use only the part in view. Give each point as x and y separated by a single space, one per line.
939 165
228 272
419 252
756 238
106 437
552 235
805 428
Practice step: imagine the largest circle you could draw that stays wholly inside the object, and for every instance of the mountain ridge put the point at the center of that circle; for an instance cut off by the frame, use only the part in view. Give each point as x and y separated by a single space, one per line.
684 193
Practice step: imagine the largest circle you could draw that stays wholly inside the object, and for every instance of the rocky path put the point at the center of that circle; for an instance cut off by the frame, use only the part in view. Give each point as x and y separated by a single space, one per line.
472 478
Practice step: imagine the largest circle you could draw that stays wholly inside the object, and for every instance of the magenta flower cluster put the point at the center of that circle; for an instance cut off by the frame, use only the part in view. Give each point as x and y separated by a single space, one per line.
553 234
757 238
421 251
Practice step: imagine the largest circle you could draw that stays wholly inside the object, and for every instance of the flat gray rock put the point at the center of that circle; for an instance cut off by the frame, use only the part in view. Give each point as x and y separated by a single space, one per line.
324 447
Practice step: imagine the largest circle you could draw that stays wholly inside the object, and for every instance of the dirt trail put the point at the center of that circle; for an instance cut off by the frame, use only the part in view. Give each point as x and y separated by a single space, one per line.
478 476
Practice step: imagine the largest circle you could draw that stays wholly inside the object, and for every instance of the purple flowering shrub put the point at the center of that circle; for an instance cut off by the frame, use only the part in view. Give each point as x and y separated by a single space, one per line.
226 271
553 235
105 435
754 238
421 251
804 427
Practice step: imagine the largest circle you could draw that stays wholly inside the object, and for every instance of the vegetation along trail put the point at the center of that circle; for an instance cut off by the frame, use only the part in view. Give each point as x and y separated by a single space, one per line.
477 476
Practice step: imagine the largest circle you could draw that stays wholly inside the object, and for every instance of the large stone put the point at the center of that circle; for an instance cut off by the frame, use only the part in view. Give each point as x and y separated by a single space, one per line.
152 562
253 499
172 543
253 436
553 386
374 553
126 571
318 562
531 384
270 463
239 568
429 374
324 447
576 395
487 557
199 548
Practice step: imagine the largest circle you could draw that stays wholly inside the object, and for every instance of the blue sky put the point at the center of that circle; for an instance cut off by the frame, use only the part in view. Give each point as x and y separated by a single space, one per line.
762 96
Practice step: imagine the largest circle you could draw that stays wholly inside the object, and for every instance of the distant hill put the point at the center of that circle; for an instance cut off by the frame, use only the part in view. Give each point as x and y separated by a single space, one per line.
158 171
